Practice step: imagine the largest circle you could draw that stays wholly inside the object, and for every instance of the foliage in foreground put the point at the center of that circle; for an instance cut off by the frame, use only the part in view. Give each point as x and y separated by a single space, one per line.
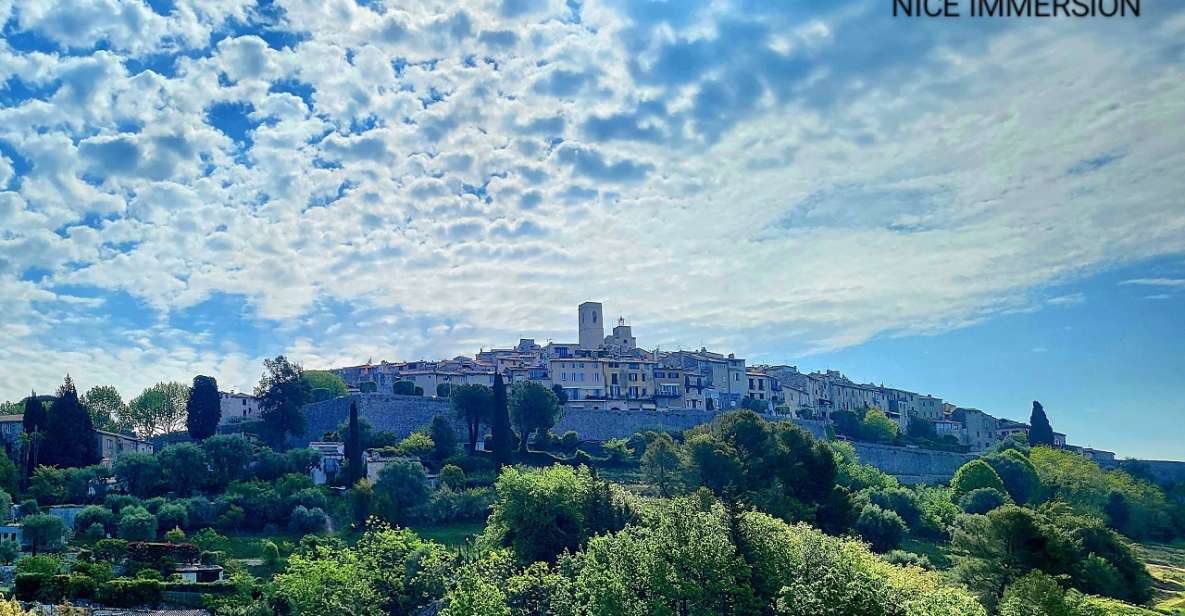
692 556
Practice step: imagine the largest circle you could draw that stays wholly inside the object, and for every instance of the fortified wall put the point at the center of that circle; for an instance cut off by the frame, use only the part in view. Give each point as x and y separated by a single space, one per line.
910 465
402 415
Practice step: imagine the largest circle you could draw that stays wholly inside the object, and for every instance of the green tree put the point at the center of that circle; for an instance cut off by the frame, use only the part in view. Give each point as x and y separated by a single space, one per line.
104 404
42 530
333 384
533 408
453 477
203 409
540 513
1040 432
982 500
136 524
877 426
228 456
283 392
401 485
1000 547
33 423
95 514
139 472
416 445
881 528
9 551
159 409
661 464
329 582
406 571
46 485
83 484
444 438
184 467
974 475
406 388
1018 474
500 423
1117 511
1035 593
472 404
921 428
70 437
9 475
682 562
561 395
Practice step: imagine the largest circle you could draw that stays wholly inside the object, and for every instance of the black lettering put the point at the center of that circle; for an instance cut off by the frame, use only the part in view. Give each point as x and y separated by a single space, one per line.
950 8
1040 8
1061 7
1019 8
992 8
1133 6
904 5
1081 9
1103 8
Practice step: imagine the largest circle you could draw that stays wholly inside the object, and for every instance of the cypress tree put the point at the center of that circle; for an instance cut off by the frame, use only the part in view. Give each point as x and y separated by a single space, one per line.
33 423
203 410
70 432
354 468
500 423
1040 432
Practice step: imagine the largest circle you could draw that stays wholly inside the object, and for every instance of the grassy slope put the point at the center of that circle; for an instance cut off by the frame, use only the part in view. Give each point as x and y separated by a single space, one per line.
1167 565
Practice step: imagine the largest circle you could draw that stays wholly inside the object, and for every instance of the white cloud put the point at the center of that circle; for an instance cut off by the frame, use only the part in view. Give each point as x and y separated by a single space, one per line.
1156 282
772 186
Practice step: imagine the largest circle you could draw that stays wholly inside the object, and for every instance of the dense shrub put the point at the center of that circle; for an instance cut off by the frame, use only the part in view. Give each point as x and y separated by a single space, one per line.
974 475
540 513
173 515
93 533
446 505
122 592
982 500
907 559
117 502
1077 480
901 501
453 477
95 514
137 524
306 521
881 528
1018 474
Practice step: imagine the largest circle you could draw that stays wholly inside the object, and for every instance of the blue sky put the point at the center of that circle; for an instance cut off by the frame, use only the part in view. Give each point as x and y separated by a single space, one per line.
987 210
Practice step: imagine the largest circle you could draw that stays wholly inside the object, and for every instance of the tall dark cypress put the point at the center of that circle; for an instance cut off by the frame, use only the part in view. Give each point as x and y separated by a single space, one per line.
33 423
203 410
500 424
1040 432
70 434
354 468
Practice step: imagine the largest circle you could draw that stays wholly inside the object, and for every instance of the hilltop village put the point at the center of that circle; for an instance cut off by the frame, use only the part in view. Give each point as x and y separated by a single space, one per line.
612 372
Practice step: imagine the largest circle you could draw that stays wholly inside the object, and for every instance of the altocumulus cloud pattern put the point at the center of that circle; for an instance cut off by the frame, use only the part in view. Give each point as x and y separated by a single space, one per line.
188 186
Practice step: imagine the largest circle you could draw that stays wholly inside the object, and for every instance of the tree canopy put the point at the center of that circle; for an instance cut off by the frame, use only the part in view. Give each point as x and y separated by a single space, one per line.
533 407
283 392
159 409
70 437
472 404
203 409
1040 432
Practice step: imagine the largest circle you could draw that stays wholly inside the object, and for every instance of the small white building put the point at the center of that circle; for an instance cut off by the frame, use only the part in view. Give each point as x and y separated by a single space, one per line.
238 408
